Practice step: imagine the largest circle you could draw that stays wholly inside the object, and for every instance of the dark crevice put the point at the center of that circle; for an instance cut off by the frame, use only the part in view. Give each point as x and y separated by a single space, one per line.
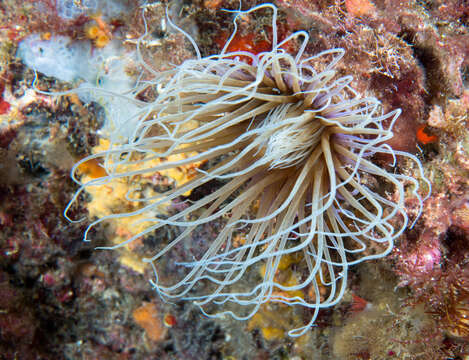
434 77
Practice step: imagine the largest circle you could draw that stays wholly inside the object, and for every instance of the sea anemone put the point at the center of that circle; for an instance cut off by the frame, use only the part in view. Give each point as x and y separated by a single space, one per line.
290 143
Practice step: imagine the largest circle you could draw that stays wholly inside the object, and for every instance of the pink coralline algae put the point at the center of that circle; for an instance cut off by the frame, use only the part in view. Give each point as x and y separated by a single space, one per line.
419 257
433 261
420 261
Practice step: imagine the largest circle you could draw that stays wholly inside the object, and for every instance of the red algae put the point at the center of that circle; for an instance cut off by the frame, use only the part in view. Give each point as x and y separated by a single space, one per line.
423 137
248 42
254 42
4 106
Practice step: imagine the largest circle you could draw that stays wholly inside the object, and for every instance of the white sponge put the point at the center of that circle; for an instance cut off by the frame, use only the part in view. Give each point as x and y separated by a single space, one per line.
102 71
68 9
71 9
57 57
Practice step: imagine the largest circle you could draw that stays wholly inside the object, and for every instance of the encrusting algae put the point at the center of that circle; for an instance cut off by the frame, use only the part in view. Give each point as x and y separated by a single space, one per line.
106 198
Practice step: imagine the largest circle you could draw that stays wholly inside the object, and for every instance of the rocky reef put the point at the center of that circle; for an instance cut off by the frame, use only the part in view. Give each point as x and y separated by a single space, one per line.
63 299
